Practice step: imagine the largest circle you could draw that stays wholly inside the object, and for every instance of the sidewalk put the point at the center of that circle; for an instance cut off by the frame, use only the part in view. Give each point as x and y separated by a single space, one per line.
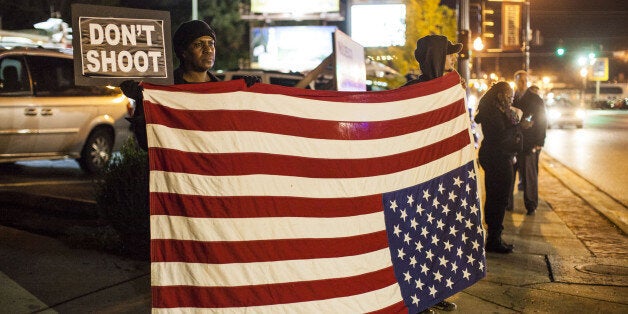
568 259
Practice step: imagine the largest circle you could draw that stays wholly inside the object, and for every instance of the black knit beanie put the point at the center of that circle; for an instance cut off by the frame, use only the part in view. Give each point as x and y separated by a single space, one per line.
188 32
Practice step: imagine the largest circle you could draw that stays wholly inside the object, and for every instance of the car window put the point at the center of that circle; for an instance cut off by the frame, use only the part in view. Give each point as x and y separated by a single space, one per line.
54 76
564 103
13 78
284 81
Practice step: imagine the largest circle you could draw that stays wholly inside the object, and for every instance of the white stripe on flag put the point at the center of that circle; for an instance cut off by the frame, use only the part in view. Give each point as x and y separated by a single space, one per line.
362 303
273 185
242 141
261 273
250 229
303 107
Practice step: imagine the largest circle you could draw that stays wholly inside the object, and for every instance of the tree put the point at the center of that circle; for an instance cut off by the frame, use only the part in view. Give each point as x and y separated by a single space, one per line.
231 32
423 17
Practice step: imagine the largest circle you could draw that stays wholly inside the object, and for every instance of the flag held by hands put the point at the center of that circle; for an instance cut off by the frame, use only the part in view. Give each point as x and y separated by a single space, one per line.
274 199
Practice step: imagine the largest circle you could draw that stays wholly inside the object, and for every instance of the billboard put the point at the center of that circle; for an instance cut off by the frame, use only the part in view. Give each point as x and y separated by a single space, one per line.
114 44
294 6
511 26
379 25
290 48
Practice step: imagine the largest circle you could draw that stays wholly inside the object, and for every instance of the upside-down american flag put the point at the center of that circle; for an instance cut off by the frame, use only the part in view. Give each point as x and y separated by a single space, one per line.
273 199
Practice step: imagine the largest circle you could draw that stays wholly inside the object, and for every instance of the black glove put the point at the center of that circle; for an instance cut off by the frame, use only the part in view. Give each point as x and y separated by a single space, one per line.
250 80
131 89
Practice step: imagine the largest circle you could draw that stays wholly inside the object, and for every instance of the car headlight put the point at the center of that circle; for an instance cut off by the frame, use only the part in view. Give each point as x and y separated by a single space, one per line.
580 113
553 114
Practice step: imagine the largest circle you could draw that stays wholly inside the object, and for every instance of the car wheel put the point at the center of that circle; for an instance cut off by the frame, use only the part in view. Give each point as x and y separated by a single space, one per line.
97 151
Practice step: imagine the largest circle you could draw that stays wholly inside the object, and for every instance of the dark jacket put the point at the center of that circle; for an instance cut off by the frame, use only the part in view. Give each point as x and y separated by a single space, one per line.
178 76
532 104
431 57
502 136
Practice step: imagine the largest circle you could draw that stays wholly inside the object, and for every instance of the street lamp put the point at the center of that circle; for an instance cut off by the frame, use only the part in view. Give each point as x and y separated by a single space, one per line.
478 46
583 73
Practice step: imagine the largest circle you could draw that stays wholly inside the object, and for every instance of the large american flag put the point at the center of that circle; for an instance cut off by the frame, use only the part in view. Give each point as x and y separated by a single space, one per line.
272 199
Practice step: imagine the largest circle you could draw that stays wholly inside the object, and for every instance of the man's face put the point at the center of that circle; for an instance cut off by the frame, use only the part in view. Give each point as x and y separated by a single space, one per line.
521 81
200 54
450 62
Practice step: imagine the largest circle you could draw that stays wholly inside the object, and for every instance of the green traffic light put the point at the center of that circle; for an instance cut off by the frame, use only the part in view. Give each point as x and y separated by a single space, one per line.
560 51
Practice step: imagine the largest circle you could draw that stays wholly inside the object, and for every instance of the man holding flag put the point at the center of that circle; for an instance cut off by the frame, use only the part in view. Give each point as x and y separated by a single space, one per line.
275 199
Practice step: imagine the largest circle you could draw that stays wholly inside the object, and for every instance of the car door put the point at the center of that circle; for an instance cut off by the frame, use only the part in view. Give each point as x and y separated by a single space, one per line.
61 113
17 108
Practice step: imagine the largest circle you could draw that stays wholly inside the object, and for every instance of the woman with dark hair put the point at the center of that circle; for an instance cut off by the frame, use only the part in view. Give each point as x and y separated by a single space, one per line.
502 139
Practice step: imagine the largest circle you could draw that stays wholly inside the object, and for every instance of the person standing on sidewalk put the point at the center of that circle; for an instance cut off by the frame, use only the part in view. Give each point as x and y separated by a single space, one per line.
436 56
501 140
533 108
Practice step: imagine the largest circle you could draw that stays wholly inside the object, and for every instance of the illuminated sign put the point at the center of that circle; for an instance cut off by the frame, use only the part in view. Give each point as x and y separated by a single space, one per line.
290 48
511 26
599 70
379 25
294 6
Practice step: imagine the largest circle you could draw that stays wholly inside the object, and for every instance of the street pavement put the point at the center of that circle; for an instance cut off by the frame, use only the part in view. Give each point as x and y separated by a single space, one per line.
571 257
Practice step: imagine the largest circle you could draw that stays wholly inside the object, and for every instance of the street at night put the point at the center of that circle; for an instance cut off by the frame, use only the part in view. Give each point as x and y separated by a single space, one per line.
314 156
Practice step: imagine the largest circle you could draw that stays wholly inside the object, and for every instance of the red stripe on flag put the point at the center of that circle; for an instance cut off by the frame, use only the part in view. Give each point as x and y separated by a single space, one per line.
399 307
164 250
242 120
261 206
408 92
246 296
260 163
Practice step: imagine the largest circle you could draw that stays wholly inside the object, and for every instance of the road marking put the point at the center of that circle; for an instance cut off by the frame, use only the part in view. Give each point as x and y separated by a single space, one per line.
16 299
18 184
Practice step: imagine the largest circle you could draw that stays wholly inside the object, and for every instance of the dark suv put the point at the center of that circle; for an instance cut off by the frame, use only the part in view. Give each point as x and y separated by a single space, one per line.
43 115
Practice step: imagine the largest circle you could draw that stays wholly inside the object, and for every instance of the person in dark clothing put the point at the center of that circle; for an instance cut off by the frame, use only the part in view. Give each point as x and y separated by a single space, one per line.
436 56
502 139
533 108
194 44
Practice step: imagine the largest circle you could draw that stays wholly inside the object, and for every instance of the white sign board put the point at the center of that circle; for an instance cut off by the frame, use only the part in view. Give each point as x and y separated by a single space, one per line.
114 44
350 66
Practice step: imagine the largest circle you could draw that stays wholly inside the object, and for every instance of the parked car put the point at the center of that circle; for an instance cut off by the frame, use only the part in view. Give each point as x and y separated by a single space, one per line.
268 77
44 115
562 112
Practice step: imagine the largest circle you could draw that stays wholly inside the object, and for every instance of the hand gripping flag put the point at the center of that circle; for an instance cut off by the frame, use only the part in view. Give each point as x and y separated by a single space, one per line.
273 199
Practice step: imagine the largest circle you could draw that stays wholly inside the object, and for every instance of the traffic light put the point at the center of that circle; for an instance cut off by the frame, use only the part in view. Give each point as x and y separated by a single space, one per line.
463 38
560 51
491 25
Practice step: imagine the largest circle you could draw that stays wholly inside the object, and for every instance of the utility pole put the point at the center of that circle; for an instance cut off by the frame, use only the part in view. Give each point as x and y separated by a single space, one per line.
463 24
526 40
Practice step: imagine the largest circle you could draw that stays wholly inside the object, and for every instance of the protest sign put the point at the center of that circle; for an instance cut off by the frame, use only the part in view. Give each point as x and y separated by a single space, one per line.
114 44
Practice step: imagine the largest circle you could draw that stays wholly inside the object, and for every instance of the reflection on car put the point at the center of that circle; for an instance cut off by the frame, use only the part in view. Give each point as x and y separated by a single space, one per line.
562 112
43 115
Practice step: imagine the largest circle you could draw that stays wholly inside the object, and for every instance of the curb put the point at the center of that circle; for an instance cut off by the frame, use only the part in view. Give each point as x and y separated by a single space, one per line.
605 204
65 206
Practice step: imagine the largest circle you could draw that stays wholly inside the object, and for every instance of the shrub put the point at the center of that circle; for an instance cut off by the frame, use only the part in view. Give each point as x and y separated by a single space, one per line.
122 198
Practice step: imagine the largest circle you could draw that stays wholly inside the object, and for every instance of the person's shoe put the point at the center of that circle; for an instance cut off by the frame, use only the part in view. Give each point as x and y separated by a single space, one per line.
509 209
427 311
499 248
531 212
445 306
